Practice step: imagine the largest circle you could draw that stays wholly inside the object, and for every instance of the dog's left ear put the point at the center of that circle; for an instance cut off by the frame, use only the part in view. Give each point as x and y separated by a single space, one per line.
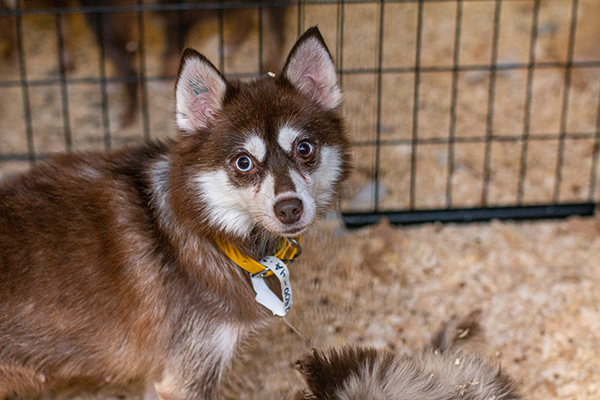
199 92
310 69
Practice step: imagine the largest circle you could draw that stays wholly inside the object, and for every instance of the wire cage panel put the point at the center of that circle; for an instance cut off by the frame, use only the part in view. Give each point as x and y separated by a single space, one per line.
450 104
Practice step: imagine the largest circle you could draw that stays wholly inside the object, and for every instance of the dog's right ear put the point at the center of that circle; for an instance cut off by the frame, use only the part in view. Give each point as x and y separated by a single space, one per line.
199 92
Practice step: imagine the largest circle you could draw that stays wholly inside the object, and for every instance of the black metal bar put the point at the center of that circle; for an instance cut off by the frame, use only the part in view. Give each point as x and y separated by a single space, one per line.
300 17
378 122
476 139
528 100
489 125
595 151
44 155
405 142
166 7
24 84
260 40
63 81
340 42
103 83
339 56
108 9
452 132
95 81
565 104
470 215
182 26
415 127
359 71
20 157
142 73
221 23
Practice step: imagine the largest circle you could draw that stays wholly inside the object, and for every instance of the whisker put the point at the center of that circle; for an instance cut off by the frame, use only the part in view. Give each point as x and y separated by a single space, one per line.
268 197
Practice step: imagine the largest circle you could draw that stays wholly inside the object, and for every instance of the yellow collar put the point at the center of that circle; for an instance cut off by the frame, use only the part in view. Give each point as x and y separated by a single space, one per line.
289 249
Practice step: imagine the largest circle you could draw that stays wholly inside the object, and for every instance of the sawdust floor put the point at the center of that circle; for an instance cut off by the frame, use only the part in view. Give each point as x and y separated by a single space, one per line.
535 283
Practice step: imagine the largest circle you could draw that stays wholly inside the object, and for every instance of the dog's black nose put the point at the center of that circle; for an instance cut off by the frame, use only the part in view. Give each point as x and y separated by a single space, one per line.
289 211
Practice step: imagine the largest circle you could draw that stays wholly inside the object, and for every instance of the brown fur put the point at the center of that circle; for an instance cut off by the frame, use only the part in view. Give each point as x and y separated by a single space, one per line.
8 33
108 266
442 371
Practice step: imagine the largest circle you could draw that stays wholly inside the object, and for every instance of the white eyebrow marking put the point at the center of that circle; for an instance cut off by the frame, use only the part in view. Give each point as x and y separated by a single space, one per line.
256 147
286 137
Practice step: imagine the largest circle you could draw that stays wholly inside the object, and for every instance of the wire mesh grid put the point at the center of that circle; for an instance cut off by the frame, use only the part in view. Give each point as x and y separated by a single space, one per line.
450 104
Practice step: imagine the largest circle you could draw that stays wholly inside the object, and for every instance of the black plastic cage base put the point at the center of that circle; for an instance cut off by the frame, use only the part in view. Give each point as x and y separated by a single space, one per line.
467 215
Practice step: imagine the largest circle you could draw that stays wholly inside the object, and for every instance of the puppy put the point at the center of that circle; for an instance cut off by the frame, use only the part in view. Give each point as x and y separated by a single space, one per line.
445 371
112 266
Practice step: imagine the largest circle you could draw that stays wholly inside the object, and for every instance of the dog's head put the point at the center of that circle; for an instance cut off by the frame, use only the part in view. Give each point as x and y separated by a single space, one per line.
262 156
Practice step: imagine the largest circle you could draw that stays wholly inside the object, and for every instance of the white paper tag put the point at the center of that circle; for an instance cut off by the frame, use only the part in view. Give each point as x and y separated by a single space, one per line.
265 296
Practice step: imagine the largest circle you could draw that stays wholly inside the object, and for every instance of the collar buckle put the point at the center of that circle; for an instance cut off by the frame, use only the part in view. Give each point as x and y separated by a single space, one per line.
292 246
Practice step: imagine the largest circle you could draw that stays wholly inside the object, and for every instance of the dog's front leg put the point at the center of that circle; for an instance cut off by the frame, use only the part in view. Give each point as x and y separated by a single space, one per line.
176 387
194 370
150 392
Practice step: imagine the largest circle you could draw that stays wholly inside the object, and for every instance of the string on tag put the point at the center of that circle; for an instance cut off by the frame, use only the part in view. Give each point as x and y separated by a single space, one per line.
293 328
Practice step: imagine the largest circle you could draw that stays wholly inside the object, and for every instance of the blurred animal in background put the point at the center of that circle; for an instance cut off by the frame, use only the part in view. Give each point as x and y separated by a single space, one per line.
116 32
446 370
8 32
8 28
178 25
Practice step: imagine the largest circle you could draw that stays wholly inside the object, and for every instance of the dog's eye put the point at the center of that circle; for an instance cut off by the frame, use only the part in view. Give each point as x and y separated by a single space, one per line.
305 149
244 164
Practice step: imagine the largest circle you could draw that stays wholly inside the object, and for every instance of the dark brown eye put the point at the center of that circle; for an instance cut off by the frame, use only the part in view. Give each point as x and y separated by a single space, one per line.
244 164
305 149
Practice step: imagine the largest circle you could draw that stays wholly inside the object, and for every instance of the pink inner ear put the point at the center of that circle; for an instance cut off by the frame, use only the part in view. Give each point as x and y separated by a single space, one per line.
203 108
312 71
312 86
200 91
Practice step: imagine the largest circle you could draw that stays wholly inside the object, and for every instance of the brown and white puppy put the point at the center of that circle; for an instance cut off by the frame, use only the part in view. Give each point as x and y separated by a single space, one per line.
109 271
445 371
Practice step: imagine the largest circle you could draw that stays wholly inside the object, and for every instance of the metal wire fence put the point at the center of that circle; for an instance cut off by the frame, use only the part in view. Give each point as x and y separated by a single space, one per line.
458 110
